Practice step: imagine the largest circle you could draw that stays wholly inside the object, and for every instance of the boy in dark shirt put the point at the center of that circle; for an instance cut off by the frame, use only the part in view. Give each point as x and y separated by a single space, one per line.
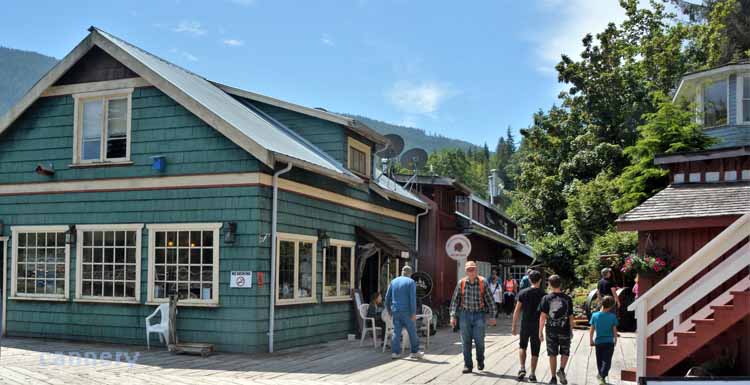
527 308
607 287
557 319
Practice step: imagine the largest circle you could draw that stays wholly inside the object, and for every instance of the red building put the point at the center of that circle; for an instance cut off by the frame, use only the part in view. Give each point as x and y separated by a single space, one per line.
455 209
699 314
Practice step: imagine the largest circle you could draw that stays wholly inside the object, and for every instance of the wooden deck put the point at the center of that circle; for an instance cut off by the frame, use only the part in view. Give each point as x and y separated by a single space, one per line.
33 361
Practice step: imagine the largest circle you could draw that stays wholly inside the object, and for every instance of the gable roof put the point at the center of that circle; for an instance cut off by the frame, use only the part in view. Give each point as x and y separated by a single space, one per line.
266 141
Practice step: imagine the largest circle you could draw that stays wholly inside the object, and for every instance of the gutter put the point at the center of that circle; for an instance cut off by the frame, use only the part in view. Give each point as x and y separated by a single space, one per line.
274 217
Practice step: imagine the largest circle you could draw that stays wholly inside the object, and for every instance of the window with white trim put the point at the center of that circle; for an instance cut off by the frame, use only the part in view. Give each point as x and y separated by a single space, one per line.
108 262
714 101
102 127
338 274
518 271
295 268
40 262
744 97
184 260
359 157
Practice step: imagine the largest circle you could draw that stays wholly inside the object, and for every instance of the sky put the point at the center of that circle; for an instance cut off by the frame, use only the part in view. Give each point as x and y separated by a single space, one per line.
465 70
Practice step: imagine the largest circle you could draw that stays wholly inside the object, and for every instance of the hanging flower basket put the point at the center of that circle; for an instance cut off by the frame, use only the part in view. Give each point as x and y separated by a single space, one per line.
648 264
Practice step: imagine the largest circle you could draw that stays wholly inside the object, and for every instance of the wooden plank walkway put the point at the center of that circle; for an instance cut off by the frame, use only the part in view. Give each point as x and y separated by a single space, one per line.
33 361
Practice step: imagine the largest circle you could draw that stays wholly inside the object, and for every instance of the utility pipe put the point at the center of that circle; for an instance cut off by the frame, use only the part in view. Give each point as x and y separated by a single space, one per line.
274 209
416 260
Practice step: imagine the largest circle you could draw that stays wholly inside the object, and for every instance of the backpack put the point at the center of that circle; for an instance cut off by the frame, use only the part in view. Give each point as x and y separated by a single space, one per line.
525 282
481 290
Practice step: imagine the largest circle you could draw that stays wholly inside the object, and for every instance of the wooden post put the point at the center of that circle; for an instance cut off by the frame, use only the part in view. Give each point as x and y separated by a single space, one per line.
641 315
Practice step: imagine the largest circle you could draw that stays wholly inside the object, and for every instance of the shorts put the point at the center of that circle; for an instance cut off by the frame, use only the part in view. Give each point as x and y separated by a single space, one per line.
558 343
533 336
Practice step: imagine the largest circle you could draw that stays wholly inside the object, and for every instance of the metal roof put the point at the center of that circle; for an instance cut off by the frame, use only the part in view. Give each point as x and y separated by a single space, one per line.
395 190
693 201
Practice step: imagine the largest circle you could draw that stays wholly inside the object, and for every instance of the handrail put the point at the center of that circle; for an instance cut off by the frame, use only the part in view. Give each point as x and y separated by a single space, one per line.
707 254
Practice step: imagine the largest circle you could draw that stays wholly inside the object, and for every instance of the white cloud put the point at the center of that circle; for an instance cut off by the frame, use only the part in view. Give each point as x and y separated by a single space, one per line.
575 18
419 98
233 42
326 39
190 26
186 55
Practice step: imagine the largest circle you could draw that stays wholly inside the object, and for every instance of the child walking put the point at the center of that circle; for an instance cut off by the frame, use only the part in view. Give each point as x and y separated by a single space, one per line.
557 320
604 325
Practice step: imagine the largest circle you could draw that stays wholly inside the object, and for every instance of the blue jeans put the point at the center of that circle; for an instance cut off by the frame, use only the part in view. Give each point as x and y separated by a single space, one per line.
402 319
472 326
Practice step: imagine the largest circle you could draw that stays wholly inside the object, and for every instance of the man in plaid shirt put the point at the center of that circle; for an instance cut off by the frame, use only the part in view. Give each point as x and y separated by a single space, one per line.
471 304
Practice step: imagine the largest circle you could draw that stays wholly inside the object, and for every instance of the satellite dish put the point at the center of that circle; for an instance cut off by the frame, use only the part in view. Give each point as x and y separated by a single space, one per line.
414 159
395 146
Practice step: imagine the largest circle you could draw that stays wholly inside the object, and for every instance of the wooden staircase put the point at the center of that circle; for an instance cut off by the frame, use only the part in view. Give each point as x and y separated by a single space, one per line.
725 256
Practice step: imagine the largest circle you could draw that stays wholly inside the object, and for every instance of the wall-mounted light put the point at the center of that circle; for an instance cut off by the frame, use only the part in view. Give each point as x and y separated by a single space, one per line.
230 234
47 170
70 235
324 239
159 163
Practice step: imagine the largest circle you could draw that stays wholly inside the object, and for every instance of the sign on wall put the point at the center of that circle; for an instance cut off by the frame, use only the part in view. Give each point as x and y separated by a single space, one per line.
241 279
424 283
458 247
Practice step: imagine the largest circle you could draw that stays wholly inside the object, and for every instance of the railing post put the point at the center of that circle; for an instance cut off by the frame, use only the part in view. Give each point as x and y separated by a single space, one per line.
641 315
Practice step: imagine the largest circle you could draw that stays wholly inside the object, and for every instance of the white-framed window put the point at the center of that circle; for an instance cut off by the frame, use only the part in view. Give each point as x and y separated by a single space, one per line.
183 259
359 157
338 270
743 98
41 260
295 268
517 272
713 103
108 262
102 127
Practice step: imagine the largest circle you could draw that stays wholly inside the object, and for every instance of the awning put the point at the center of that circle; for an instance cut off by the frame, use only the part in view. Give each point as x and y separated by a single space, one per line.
389 243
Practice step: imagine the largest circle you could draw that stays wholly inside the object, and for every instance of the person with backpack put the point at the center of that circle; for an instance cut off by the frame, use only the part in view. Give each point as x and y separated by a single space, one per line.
557 321
509 297
525 282
496 288
470 305
527 309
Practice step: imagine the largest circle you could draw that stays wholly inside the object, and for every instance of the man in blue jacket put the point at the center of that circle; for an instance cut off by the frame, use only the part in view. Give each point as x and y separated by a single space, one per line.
401 302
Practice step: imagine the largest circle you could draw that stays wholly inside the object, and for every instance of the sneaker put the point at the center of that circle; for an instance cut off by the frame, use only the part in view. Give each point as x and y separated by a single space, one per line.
561 374
394 356
480 365
532 378
416 355
466 370
521 374
553 381
602 380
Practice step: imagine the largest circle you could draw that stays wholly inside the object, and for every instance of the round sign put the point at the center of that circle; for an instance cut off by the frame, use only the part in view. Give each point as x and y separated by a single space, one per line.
458 247
240 281
424 283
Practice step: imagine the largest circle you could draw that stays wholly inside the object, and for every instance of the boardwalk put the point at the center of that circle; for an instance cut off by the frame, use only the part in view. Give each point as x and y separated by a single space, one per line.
32 361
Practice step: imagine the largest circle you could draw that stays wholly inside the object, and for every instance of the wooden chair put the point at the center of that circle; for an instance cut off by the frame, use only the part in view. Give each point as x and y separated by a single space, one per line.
368 328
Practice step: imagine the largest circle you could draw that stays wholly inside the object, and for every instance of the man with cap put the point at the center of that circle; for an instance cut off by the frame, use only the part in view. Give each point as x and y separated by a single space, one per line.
401 302
470 307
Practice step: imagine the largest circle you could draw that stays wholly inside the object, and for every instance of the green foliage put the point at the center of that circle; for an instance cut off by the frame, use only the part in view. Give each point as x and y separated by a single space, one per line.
613 242
671 129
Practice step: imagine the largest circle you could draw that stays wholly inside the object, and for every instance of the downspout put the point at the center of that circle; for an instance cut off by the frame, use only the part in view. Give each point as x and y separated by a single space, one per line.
274 209
416 260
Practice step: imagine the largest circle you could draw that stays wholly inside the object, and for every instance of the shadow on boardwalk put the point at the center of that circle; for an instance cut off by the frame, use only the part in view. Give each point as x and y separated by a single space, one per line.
28 360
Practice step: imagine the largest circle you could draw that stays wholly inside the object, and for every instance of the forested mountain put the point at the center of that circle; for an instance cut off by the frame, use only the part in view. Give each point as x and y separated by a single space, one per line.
19 70
415 137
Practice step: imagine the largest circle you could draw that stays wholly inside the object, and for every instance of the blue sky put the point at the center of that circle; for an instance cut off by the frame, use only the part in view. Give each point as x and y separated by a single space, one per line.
463 71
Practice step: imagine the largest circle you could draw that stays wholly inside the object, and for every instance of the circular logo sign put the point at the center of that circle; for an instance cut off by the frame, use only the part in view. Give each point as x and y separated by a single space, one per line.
424 283
458 247
240 281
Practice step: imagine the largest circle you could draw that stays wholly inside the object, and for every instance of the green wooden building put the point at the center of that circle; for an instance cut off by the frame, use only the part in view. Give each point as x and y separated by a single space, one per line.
124 178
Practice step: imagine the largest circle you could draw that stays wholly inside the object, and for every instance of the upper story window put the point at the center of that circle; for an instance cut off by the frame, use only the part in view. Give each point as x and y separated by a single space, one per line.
714 100
102 127
359 157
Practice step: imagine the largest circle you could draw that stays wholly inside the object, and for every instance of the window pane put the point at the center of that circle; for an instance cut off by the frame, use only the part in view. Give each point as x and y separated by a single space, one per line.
746 110
40 266
331 271
305 270
117 118
106 261
92 129
286 270
715 103
345 271
358 162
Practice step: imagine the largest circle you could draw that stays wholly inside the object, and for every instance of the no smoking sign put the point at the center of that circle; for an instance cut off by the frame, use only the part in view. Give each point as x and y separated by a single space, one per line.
241 279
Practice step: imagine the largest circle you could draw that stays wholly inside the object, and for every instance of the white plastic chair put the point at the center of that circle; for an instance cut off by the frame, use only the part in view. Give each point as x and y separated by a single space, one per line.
426 323
162 328
388 320
372 328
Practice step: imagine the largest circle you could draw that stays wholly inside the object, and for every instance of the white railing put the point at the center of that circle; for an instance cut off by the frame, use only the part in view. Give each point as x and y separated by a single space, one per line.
713 250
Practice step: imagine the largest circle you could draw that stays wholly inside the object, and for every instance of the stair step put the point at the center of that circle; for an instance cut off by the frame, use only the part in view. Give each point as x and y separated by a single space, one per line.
739 293
668 346
685 334
722 307
628 374
707 321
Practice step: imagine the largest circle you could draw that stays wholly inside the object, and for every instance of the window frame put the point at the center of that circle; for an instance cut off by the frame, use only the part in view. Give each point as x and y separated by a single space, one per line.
296 238
80 229
359 146
701 102
79 101
741 77
339 244
15 231
215 282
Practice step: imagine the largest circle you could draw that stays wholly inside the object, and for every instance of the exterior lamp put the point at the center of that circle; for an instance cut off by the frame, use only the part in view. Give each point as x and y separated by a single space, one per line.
230 235
325 240
70 235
